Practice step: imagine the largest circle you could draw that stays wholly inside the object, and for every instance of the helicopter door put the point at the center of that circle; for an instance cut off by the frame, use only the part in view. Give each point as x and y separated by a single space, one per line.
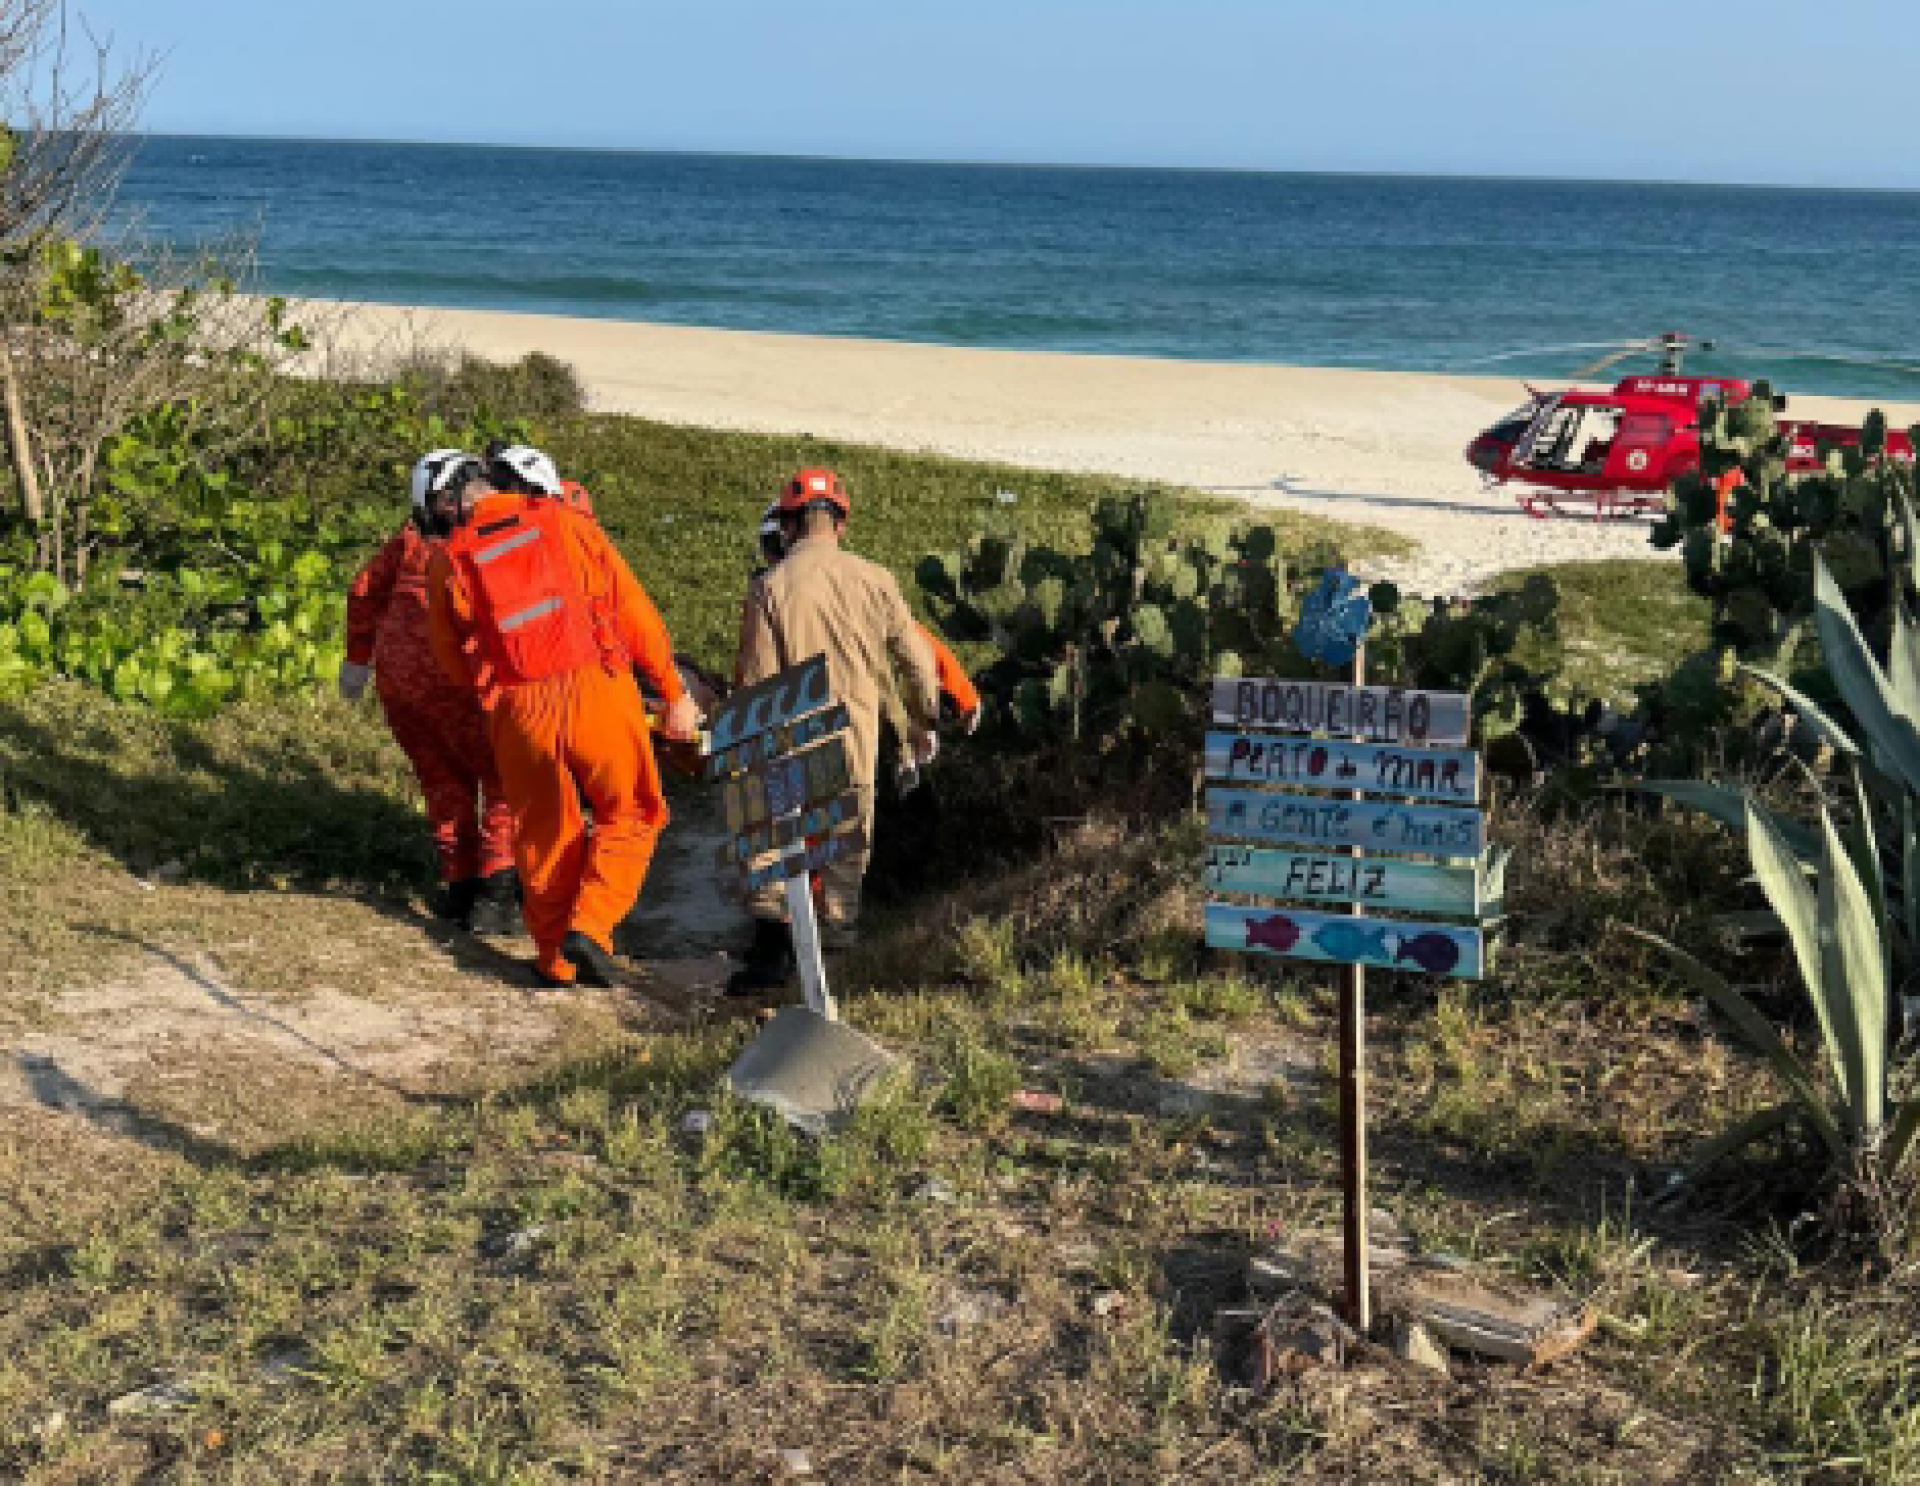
1537 435
1569 440
1639 453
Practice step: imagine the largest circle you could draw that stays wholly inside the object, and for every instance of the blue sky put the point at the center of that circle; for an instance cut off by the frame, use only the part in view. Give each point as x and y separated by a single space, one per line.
1764 90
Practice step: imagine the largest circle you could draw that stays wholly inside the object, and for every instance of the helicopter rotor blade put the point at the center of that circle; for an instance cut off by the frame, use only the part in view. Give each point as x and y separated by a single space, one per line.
1881 363
1593 368
1553 350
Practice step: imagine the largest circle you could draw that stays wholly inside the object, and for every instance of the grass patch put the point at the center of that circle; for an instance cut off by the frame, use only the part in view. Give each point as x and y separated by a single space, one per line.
684 504
563 1282
1623 621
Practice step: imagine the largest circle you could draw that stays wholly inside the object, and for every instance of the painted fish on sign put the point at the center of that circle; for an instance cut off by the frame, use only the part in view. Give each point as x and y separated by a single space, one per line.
1316 820
1371 882
1450 774
1377 714
1343 939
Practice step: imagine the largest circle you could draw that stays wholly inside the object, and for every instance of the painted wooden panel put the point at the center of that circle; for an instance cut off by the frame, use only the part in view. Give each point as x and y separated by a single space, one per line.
1327 877
815 820
1345 939
794 863
786 785
1319 821
1451 775
792 693
787 738
1376 714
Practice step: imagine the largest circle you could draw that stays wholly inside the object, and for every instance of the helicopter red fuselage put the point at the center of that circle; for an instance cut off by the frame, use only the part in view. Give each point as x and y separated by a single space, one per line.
1625 448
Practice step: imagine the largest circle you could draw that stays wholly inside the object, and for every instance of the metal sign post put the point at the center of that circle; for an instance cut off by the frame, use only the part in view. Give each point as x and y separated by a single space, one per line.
780 750
806 942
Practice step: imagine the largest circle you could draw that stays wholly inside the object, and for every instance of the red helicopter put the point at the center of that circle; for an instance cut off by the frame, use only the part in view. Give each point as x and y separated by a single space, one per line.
1622 450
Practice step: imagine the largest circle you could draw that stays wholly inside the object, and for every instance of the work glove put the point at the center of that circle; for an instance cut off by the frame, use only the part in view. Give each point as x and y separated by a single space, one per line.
683 719
926 748
353 680
970 721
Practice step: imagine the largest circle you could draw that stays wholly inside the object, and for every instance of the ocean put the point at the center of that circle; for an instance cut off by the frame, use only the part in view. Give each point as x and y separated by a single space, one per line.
1408 273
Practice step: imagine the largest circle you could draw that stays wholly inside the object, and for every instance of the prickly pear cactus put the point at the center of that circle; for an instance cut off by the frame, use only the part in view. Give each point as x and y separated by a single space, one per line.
1758 571
1109 650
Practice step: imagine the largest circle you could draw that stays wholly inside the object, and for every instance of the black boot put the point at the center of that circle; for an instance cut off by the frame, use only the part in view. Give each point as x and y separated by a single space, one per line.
496 908
769 960
456 900
594 964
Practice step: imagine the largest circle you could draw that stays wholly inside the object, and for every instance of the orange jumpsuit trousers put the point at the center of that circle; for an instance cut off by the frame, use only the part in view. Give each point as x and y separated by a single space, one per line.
438 724
582 732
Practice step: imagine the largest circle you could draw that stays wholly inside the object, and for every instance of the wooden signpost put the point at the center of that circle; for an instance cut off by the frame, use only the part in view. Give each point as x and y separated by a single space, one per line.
779 750
1347 794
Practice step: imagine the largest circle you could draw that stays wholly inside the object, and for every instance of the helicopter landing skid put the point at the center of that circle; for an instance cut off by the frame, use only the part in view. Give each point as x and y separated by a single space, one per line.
1544 505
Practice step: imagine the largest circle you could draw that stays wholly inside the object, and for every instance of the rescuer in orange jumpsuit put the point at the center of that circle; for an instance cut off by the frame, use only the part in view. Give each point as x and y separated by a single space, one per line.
438 725
521 469
534 608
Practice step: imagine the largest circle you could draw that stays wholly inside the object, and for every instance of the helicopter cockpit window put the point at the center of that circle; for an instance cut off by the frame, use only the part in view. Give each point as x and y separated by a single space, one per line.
1575 440
1511 428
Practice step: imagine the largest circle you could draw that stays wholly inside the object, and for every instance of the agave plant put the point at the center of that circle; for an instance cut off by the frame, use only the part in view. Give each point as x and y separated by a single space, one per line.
1835 931
1859 908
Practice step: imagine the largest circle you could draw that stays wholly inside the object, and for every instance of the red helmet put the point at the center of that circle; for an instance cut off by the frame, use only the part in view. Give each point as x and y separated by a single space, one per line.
809 486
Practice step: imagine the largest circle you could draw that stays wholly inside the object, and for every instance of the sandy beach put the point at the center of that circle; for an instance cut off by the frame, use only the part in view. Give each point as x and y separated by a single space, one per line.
1350 445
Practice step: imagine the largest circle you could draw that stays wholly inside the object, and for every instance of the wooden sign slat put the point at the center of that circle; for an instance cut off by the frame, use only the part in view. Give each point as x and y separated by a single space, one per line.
792 693
815 820
1325 877
793 864
1322 821
1344 939
1446 774
788 737
1376 714
785 785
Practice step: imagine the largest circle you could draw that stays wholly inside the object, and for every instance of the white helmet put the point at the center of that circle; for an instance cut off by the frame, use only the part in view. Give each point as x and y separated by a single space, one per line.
436 471
532 466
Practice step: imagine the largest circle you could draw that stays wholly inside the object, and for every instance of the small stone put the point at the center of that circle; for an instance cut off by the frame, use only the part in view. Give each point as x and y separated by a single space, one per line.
518 1245
283 1368
50 1426
1035 1101
162 1398
1413 1343
967 1309
696 1122
794 1463
935 1190
1109 1303
1298 1335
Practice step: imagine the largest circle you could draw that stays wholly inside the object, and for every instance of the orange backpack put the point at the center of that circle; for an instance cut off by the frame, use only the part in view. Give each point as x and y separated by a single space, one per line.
532 615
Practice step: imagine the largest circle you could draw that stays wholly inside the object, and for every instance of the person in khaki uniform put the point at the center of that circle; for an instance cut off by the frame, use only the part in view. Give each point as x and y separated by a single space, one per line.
822 599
